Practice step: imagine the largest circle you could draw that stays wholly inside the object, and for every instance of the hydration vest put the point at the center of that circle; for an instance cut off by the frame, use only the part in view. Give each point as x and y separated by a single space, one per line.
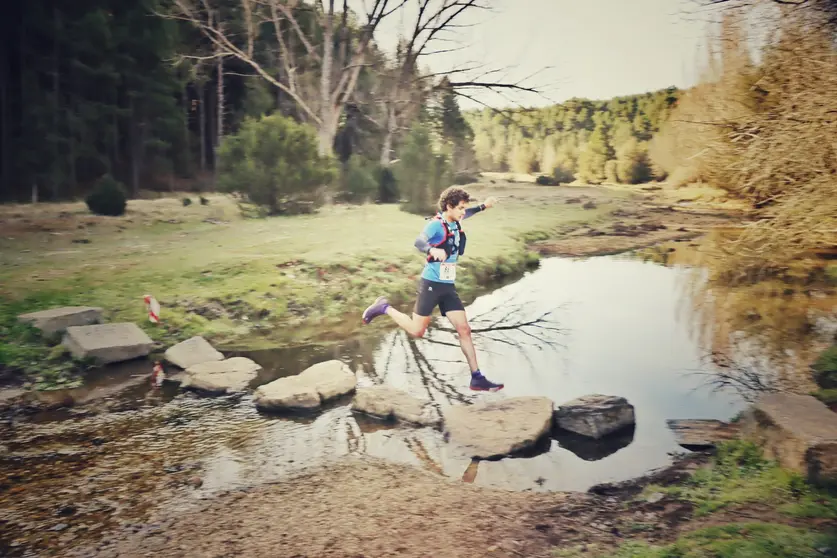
448 243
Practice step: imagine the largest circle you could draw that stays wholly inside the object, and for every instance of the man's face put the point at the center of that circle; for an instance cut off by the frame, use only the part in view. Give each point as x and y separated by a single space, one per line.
457 212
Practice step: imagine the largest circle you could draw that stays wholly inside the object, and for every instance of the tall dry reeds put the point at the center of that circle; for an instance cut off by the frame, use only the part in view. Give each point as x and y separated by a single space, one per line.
766 133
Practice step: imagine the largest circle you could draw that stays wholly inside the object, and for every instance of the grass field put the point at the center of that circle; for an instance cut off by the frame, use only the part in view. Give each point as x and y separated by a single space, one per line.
742 505
255 282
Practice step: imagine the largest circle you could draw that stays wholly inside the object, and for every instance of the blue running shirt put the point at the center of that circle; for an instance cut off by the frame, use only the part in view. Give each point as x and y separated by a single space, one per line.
434 232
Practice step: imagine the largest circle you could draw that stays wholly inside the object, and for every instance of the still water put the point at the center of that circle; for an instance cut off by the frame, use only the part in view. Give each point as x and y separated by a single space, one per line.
606 325
610 325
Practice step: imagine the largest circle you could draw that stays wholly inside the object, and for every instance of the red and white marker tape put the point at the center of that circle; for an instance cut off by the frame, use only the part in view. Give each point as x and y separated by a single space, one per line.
157 375
153 308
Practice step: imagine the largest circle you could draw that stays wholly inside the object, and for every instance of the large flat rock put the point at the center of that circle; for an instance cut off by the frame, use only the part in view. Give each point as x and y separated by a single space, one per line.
699 434
195 350
221 376
498 428
307 390
56 320
106 343
798 431
595 416
389 403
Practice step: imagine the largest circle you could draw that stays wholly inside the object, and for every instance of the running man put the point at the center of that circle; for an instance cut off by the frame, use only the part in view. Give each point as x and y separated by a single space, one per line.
442 241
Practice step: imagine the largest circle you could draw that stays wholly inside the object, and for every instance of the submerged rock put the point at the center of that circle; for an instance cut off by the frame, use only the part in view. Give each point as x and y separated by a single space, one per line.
106 343
499 428
195 350
595 416
702 434
389 403
308 390
221 376
798 431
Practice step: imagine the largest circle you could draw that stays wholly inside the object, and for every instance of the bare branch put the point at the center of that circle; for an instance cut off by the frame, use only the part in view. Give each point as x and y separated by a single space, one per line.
289 16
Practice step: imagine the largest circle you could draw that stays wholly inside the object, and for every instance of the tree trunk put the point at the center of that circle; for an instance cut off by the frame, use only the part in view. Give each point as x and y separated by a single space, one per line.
4 126
134 142
115 126
326 133
219 130
56 110
23 169
71 137
202 123
219 124
326 136
386 149
187 143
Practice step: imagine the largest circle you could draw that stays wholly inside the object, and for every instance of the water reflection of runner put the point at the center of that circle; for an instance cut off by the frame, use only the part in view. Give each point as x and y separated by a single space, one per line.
443 241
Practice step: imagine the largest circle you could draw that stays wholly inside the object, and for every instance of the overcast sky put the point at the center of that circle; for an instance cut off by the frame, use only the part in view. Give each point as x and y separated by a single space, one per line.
577 48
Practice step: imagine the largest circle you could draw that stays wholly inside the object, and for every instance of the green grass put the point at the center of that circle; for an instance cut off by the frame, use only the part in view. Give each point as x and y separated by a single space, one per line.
737 540
827 396
251 282
43 363
740 475
825 369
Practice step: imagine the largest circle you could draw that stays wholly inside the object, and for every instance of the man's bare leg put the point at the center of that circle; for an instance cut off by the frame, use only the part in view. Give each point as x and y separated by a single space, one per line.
415 326
459 320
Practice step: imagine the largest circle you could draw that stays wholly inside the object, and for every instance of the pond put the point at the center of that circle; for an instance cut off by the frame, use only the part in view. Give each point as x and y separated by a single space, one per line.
607 325
613 325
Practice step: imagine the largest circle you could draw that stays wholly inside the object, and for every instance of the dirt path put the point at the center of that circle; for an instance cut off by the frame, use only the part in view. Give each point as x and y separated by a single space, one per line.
367 507
356 508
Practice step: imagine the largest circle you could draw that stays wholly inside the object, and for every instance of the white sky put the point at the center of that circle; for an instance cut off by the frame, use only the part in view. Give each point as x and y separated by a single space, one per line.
576 48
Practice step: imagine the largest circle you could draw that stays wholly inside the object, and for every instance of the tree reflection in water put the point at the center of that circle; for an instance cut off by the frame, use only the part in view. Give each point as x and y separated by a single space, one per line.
508 325
758 336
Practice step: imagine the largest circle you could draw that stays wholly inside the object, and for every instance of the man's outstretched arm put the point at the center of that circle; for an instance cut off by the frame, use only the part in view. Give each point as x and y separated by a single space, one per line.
471 211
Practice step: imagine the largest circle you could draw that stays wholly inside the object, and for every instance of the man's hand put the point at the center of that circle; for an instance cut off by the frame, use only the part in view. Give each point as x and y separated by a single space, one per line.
438 254
490 202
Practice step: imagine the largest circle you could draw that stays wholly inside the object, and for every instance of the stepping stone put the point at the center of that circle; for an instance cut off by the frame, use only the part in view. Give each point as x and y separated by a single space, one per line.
595 416
106 343
221 376
702 434
798 431
56 320
388 403
498 428
196 350
309 389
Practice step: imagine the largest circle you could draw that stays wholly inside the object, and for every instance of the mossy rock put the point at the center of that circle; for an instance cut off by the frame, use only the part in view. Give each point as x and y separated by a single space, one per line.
825 368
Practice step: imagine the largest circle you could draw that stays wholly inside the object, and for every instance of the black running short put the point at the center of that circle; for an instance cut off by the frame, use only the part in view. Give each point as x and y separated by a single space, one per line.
432 294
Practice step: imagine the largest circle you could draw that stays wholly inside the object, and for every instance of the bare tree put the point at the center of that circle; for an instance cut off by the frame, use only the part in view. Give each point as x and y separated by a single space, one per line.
433 32
337 69
317 66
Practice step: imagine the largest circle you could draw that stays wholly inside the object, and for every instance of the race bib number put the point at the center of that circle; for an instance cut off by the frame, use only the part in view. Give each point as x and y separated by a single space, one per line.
447 272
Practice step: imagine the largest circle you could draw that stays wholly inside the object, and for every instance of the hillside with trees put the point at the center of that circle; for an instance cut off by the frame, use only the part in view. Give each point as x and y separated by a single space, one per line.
593 141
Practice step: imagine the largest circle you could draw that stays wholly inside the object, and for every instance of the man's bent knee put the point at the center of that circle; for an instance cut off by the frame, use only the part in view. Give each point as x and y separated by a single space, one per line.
420 324
464 330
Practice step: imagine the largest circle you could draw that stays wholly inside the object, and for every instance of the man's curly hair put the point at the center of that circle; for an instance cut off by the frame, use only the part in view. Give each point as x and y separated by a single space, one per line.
452 196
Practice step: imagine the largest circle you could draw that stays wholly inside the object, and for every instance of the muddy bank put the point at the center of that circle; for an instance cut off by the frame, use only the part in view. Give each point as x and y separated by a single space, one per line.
366 507
632 229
